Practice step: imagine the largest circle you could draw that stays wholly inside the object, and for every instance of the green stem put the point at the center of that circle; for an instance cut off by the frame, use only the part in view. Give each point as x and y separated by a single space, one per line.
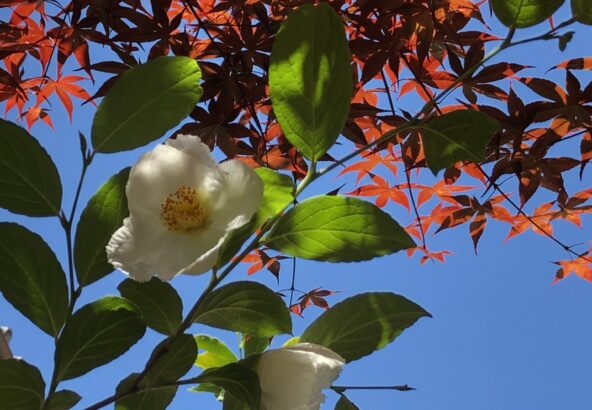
67 224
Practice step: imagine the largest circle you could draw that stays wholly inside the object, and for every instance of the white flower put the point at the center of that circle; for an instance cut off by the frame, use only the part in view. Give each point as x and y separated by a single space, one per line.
182 205
291 378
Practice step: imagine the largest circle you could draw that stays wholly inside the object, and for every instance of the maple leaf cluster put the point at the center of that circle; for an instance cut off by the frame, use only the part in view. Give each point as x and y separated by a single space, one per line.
400 49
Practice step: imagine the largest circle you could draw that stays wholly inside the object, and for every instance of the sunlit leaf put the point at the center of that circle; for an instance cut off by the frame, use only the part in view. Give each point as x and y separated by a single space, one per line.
21 385
278 191
337 229
29 181
31 278
460 135
362 324
161 306
253 345
96 334
145 102
216 352
524 13
246 307
102 216
310 78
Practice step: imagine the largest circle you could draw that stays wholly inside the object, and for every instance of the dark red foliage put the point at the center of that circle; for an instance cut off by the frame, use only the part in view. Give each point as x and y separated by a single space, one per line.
399 47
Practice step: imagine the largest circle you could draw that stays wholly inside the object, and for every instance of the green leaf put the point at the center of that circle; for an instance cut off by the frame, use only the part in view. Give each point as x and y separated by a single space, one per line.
146 102
208 388
363 324
253 345
278 191
159 302
29 181
246 307
237 379
62 400
97 334
217 353
524 13
582 11
345 404
337 229
310 78
103 215
31 278
21 385
232 403
460 135
292 341
174 363
149 399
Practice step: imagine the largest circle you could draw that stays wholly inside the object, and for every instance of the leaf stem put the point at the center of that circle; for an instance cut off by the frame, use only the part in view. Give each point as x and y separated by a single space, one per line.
67 223
341 389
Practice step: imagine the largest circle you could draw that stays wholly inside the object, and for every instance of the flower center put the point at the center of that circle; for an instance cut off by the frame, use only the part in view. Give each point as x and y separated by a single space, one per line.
182 211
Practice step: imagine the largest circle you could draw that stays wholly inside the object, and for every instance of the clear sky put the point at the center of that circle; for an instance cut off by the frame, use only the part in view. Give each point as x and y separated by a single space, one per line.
502 337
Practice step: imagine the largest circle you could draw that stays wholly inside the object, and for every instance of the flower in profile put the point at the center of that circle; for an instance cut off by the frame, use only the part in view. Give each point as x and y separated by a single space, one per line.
182 205
292 378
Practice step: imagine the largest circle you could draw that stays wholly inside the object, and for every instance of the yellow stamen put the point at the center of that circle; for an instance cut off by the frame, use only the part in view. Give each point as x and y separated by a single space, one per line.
182 211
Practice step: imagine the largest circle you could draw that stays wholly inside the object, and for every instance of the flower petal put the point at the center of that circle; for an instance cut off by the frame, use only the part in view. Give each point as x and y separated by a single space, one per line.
240 196
206 261
192 145
142 252
292 377
161 172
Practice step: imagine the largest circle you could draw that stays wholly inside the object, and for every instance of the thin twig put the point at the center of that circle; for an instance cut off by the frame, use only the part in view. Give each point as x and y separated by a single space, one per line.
407 171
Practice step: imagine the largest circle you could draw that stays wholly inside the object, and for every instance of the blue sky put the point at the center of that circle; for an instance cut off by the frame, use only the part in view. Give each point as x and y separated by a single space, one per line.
502 337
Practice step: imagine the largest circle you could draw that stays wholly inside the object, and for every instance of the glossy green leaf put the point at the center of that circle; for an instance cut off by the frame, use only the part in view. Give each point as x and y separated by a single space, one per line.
460 135
103 215
29 181
345 404
31 278
174 363
232 403
158 301
216 352
363 324
253 345
310 78
582 11
278 191
145 102
21 386
292 341
208 388
337 229
148 399
96 334
62 400
246 307
240 381
524 13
